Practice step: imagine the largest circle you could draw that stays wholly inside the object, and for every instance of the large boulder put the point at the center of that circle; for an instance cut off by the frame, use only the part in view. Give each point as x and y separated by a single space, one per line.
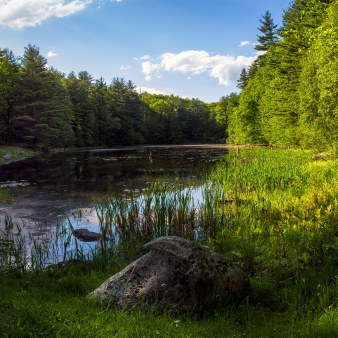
176 274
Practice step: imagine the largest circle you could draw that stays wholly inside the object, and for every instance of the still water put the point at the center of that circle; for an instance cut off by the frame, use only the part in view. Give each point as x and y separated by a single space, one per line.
51 189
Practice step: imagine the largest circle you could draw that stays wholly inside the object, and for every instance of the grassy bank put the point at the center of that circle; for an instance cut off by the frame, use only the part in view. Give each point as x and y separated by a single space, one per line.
276 211
16 153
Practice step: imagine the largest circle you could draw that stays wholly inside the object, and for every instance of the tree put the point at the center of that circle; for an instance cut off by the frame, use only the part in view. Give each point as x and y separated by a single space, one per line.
269 109
106 124
269 37
243 79
318 87
41 116
127 108
9 70
83 121
224 110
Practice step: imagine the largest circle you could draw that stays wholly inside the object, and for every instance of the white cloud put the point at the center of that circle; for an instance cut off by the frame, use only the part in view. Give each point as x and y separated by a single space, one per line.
226 68
125 68
144 57
148 67
148 78
24 13
51 54
244 43
149 90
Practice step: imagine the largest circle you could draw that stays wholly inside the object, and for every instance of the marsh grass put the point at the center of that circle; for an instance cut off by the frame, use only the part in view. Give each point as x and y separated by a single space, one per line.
274 212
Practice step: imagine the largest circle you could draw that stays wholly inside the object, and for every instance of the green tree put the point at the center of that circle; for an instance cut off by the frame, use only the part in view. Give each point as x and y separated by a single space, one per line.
41 113
224 110
106 124
318 88
9 70
128 109
83 121
243 79
269 33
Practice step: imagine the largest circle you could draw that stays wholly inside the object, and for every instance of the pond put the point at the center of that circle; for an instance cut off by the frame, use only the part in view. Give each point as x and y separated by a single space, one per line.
53 189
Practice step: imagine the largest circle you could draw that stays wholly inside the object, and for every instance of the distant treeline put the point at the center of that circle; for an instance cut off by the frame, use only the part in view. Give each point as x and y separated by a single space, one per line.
43 108
290 94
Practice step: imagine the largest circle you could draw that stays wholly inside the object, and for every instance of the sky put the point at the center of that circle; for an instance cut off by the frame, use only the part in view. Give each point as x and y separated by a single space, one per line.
189 48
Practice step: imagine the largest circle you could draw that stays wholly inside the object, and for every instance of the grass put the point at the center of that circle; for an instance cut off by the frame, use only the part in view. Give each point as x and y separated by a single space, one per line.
275 210
17 153
5 195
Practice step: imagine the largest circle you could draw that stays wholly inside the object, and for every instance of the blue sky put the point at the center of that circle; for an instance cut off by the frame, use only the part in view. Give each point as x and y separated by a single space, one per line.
190 48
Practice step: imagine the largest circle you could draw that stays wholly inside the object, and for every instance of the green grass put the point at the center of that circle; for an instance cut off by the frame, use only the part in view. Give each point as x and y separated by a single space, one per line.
17 153
5 195
276 210
55 304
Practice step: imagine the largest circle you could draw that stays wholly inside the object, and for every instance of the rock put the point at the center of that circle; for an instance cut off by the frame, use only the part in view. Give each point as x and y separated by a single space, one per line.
87 236
176 274
7 156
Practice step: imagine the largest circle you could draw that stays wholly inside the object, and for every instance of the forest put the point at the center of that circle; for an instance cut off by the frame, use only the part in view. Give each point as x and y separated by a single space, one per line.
42 108
288 96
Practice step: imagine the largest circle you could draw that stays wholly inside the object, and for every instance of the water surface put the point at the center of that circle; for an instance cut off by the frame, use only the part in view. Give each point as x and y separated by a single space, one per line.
50 188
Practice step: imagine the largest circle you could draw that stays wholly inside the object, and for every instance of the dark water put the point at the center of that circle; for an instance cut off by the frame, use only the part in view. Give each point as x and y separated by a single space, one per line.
50 187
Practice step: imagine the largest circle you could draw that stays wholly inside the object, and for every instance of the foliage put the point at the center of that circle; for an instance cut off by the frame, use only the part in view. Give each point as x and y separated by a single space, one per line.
281 102
43 108
268 29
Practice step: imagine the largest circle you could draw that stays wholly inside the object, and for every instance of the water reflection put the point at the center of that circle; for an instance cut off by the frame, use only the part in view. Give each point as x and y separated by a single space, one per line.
56 187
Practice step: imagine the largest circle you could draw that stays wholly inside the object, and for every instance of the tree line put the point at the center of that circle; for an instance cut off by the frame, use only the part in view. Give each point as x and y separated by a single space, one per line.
43 108
289 94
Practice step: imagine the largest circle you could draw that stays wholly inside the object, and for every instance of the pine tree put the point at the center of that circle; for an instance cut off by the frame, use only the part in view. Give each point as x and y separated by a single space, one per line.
106 124
127 107
42 112
243 79
9 70
83 120
269 36
30 94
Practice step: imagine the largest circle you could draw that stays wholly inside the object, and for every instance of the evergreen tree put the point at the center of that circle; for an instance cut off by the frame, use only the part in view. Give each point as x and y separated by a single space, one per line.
9 70
243 79
42 112
128 109
318 87
106 124
83 120
53 127
269 37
